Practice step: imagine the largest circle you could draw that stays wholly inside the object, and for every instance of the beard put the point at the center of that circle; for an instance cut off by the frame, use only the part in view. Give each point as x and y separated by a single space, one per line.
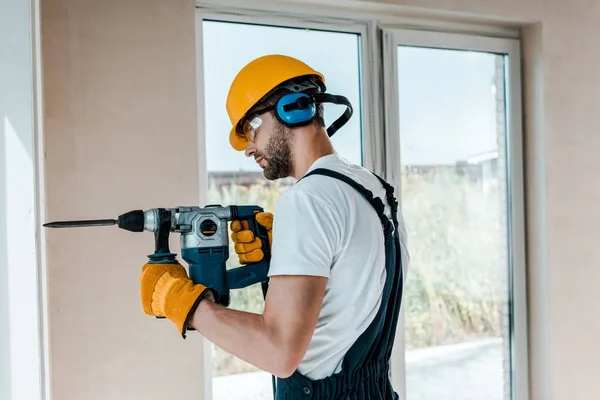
278 154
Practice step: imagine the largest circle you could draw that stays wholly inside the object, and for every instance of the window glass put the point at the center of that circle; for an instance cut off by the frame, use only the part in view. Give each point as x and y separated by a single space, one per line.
453 154
235 179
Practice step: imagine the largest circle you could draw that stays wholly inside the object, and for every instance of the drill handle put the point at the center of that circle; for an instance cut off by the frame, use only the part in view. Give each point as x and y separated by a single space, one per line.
246 275
260 232
251 273
248 213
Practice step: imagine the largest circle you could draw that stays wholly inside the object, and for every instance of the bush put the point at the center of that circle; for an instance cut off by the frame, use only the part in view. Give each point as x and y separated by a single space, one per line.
456 284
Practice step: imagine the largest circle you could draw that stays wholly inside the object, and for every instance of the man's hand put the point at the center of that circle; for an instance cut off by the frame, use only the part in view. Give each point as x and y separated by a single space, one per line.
246 245
166 291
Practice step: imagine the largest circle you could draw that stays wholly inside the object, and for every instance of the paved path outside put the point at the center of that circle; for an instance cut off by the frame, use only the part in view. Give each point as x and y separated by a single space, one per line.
472 371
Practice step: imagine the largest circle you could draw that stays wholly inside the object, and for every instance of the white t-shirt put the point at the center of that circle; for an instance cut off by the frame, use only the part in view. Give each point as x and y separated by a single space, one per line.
325 227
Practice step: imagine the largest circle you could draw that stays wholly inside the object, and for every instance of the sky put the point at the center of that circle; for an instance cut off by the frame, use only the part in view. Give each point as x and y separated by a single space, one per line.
446 98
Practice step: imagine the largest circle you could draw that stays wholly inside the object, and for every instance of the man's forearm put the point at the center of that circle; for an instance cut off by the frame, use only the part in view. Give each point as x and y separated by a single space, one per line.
246 335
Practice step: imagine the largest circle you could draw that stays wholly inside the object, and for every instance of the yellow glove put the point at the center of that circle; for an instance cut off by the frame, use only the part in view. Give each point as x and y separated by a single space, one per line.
246 245
166 291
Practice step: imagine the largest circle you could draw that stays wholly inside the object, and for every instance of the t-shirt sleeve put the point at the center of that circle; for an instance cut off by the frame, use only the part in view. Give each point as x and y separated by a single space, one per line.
305 235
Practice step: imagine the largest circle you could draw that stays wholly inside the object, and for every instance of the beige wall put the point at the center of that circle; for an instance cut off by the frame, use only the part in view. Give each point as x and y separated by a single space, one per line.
120 134
119 92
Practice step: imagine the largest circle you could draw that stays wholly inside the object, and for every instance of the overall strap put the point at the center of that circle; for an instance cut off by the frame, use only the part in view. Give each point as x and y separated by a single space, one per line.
376 202
391 199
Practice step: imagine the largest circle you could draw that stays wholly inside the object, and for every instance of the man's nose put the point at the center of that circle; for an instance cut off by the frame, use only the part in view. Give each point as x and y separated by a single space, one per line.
250 149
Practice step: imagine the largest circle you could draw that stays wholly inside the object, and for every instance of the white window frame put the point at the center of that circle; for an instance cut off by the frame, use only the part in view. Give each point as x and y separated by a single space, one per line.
379 28
392 38
29 362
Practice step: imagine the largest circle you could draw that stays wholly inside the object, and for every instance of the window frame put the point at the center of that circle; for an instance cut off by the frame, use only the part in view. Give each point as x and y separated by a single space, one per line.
379 29
517 287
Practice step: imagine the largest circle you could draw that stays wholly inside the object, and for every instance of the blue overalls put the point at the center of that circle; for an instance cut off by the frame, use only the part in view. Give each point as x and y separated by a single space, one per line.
365 372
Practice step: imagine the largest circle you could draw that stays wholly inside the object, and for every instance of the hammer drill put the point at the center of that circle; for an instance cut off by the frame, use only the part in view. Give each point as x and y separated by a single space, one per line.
204 242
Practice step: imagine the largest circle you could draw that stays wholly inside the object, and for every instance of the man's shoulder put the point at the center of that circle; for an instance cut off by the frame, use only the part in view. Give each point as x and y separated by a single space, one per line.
305 192
304 205
331 185
317 190
320 188
316 193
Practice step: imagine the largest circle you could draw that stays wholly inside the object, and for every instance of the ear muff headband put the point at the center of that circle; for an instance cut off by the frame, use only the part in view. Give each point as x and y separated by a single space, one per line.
297 109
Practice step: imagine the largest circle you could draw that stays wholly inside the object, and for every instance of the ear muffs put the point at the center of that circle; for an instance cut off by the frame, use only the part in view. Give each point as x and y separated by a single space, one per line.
298 109
295 109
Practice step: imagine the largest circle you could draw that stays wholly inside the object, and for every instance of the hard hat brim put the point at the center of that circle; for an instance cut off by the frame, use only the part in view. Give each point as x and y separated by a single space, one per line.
238 142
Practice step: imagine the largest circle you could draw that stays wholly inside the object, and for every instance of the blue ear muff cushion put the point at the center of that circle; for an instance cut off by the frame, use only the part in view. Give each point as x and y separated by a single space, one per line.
295 109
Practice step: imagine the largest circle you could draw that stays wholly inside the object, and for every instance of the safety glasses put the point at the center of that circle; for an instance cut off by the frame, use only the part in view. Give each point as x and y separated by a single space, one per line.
251 124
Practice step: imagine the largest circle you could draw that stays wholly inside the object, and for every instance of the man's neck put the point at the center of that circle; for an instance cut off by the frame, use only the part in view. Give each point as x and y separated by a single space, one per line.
308 148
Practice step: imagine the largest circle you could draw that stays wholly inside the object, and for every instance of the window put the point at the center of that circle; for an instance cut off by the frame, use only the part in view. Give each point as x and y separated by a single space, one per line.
444 127
235 179
453 131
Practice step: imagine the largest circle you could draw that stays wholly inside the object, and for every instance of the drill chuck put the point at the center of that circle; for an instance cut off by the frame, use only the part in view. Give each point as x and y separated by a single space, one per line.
133 221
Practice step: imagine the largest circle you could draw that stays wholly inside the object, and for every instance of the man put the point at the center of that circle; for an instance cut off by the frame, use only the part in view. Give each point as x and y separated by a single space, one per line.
337 247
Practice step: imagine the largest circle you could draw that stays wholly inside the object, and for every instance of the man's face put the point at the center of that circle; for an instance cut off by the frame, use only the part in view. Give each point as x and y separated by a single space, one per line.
272 148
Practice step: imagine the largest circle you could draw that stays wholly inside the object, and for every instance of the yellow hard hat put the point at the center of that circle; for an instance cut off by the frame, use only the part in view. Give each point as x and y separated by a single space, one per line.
255 81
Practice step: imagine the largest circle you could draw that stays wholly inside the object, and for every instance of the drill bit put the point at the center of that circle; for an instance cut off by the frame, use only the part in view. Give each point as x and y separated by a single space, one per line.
81 223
